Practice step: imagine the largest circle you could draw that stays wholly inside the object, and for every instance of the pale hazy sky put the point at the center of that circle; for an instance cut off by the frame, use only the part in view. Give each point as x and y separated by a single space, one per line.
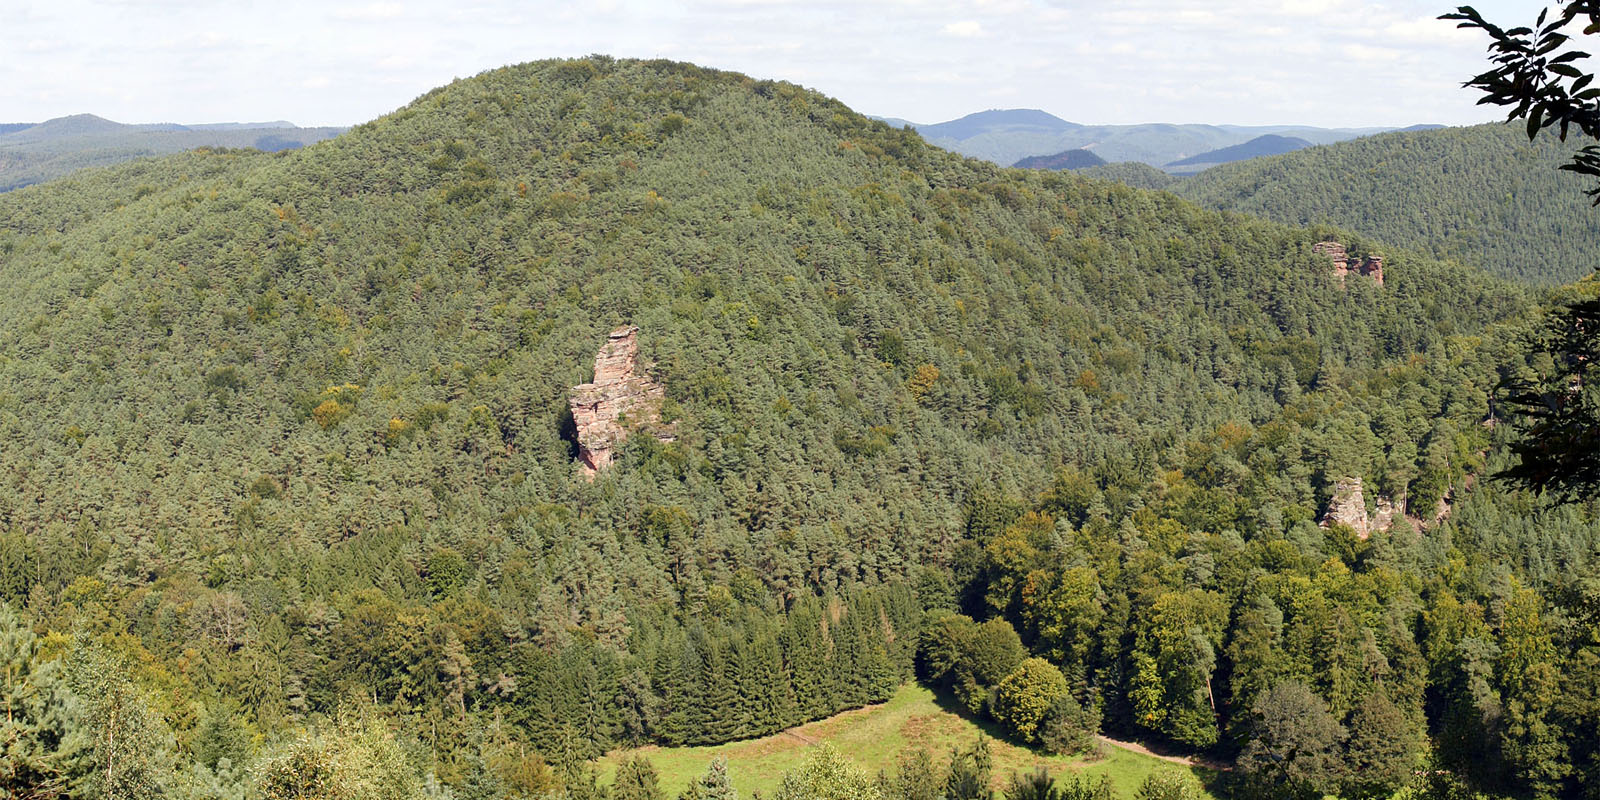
1318 62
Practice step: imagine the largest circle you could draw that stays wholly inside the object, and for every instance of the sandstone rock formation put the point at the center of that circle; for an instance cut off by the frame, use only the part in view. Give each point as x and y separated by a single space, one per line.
1349 507
1344 264
1335 251
1383 518
1372 267
619 400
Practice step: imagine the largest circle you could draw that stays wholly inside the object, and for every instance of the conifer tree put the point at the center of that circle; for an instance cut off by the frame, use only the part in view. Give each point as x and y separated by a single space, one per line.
713 785
579 779
682 695
1036 785
636 780
40 742
1381 752
1168 784
915 777
969 773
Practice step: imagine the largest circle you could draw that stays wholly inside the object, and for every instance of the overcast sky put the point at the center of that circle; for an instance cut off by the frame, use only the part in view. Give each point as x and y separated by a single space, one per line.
1317 62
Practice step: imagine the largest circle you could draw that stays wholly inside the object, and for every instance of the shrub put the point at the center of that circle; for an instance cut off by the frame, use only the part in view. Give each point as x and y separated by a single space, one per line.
1025 698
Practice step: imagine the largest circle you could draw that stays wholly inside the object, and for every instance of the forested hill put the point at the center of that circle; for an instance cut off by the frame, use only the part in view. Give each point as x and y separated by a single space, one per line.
791 264
1265 145
288 433
1484 195
34 153
1007 136
1066 159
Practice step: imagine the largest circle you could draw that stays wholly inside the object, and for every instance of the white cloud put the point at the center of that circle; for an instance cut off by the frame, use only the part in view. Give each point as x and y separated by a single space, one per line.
370 12
1315 8
396 61
966 29
1428 31
1330 62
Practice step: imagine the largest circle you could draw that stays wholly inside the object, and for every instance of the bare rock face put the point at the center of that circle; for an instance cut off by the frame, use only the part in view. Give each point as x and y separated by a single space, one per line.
1336 252
1383 520
1372 267
1344 263
619 400
1348 507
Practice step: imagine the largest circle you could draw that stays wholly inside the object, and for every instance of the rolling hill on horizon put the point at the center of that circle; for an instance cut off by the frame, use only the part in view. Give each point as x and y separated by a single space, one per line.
293 493
1482 194
1066 159
1265 145
1006 136
36 152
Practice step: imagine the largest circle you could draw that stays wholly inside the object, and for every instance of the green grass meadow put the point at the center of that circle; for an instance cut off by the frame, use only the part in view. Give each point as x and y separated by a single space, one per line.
874 737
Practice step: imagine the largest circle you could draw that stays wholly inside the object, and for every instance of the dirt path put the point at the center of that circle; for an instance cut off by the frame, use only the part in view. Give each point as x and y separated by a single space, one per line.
1187 761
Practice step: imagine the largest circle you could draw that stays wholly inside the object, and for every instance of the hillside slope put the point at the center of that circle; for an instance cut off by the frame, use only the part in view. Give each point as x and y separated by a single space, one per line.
1134 173
287 441
1066 159
472 249
32 154
1482 194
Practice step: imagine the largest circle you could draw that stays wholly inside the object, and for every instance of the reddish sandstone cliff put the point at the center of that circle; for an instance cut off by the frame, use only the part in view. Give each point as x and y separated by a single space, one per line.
1348 507
1344 263
620 399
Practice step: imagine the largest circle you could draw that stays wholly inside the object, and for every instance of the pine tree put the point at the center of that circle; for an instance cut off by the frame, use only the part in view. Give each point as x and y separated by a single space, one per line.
636 780
1036 785
1168 784
849 665
40 743
220 738
1081 788
713 785
915 778
1380 755
807 651
578 777
683 695
968 776
720 711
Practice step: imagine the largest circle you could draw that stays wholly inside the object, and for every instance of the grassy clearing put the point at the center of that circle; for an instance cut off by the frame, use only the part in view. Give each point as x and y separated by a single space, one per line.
873 737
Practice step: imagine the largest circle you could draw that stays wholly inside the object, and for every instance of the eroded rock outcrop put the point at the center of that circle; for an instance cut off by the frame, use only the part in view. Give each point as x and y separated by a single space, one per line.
1344 263
620 400
1348 507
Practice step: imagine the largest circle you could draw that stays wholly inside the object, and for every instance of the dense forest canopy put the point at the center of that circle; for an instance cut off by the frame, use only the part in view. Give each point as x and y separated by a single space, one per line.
290 484
1483 195
34 153
1078 158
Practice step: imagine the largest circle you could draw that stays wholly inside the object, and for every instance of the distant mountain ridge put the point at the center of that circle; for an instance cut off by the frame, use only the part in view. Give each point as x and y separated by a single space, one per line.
1483 194
1134 173
1269 144
1006 136
1066 159
36 152
983 122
